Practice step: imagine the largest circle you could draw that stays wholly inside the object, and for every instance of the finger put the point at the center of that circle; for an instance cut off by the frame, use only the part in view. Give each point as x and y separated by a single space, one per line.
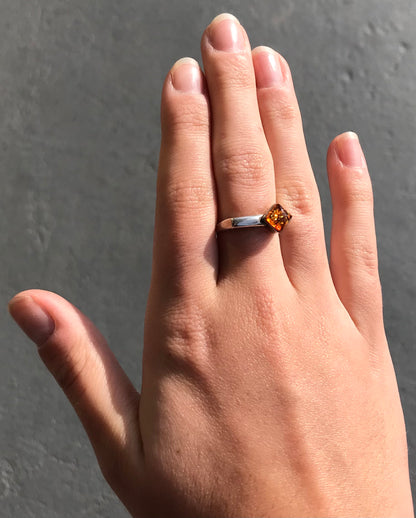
302 242
185 209
242 161
81 362
353 239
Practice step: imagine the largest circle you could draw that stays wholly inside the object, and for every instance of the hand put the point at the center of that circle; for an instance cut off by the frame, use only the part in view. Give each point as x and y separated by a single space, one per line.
268 388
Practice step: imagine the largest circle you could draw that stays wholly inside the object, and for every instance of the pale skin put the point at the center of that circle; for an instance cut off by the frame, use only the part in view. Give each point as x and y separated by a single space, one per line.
268 387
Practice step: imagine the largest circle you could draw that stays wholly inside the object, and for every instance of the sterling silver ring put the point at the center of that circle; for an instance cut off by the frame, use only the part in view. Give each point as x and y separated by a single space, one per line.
274 219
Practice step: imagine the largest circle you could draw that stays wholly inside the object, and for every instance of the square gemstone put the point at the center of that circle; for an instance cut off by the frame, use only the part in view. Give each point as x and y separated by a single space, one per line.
277 217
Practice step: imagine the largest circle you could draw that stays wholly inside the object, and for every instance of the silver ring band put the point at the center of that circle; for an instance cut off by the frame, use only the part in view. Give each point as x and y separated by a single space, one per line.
274 219
241 222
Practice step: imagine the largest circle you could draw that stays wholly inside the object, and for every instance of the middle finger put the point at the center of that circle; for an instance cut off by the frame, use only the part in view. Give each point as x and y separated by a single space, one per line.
242 160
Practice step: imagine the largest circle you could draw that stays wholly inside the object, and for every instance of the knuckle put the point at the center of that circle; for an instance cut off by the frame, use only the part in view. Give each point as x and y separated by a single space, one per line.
187 195
358 194
302 202
369 260
302 197
233 74
359 251
184 117
245 166
284 109
367 256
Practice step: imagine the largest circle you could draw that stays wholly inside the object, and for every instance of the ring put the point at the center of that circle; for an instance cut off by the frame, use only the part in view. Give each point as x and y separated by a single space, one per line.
274 219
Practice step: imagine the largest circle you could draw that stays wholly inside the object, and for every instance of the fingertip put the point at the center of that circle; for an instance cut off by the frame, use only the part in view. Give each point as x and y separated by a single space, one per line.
264 49
35 310
348 176
225 34
347 151
224 16
186 76
271 68
31 317
267 67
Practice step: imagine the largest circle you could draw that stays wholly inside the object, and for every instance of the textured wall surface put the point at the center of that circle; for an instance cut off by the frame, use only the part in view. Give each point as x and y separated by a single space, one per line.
79 135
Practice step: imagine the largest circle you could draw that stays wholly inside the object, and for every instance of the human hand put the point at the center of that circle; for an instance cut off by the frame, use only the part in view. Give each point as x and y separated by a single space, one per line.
268 388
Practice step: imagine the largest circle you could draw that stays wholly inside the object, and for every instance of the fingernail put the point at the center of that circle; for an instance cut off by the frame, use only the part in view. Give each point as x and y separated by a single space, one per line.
267 68
349 150
186 76
33 320
226 34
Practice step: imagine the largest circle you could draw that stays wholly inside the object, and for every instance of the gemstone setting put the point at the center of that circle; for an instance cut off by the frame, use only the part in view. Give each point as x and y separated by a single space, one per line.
276 217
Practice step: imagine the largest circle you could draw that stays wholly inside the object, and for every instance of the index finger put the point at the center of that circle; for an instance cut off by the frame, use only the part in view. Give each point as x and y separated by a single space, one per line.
185 241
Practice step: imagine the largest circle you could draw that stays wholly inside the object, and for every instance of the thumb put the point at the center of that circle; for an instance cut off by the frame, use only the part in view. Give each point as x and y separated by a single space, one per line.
78 357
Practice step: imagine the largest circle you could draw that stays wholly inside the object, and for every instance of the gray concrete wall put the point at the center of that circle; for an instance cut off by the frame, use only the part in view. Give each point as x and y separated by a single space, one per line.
79 132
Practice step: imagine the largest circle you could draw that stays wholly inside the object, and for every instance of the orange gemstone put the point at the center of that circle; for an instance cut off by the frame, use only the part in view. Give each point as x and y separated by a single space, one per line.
277 217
